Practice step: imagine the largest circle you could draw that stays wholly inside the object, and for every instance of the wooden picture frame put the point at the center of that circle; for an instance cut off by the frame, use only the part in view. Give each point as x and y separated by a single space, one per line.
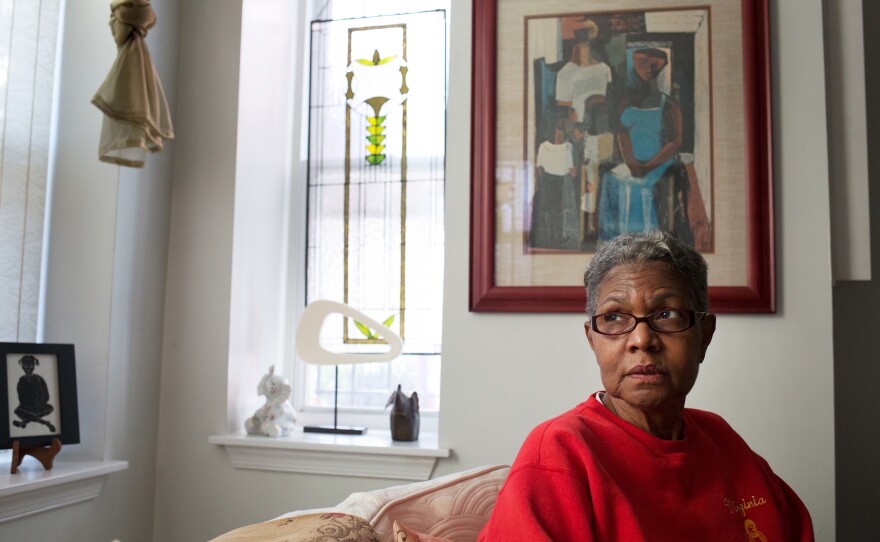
728 109
39 402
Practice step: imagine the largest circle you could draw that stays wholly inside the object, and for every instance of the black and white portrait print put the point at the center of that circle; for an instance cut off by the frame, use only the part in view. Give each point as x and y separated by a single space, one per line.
32 382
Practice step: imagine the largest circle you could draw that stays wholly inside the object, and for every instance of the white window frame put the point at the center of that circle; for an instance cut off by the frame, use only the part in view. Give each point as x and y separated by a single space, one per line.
267 283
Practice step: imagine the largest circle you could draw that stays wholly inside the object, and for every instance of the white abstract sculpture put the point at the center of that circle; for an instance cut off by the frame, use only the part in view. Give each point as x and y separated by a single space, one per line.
309 349
308 342
276 418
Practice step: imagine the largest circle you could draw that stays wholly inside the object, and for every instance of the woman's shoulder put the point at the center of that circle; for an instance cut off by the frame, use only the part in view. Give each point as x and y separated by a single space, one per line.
549 146
555 443
574 422
707 420
670 103
713 427
596 66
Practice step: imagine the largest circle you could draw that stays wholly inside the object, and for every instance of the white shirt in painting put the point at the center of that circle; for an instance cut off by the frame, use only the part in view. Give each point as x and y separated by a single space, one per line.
555 158
576 83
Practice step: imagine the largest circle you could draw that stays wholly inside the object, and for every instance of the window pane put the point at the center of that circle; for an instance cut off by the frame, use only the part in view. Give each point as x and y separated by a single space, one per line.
376 175
28 36
370 384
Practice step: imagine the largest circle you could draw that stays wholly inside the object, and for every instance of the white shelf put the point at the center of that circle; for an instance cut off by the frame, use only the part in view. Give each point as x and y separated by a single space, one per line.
373 455
33 489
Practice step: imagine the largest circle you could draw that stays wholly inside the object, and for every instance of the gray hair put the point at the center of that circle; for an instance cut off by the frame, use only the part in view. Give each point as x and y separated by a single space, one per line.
644 247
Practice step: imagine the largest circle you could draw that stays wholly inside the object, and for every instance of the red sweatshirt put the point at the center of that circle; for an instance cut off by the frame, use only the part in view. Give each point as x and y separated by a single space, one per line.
588 475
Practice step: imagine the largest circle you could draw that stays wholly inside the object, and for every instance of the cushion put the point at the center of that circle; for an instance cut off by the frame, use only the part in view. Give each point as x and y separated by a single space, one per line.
454 507
327 527
368 504
403 534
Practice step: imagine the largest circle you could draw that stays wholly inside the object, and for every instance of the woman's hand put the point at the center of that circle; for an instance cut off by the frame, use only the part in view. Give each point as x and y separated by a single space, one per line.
637 169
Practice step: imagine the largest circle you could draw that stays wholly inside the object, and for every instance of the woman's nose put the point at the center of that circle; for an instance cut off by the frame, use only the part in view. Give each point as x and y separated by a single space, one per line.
643 338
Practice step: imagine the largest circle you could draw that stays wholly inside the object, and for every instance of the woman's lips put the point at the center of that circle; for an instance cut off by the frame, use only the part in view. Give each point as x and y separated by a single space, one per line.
647 373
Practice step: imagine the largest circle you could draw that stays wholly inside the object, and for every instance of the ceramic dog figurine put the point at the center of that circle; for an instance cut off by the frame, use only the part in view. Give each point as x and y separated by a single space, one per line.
276 418
404 416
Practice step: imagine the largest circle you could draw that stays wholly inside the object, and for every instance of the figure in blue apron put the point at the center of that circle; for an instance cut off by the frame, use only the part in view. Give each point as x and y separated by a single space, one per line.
648 137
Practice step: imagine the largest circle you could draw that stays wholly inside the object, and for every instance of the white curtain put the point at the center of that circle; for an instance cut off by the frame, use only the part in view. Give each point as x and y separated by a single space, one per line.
28 35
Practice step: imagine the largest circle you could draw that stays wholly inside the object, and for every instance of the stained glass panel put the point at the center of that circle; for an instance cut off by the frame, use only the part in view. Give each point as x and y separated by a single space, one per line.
376 175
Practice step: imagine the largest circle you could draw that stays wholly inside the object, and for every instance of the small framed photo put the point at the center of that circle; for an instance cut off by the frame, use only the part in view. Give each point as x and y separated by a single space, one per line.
38 390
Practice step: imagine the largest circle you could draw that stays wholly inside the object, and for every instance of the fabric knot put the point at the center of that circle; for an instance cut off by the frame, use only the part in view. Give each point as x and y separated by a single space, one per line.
136 115
129 17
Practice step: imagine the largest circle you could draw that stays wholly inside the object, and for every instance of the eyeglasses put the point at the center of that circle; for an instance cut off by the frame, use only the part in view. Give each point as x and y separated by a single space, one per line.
664 321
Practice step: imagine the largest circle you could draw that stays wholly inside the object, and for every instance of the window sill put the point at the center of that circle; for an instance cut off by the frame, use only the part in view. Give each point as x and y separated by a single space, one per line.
373 455
32 490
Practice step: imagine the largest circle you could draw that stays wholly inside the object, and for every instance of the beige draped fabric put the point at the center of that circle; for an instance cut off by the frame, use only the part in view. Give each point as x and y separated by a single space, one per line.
136 117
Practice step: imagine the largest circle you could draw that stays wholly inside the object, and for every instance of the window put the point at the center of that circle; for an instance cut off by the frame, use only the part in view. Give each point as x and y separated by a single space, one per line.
375 191
28 36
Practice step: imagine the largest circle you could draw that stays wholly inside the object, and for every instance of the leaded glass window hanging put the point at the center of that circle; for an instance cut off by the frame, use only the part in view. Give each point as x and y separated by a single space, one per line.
375 197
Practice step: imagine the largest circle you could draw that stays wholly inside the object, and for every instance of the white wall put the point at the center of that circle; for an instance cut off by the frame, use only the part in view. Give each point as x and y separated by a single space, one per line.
769 375
271 55
199 494
106 274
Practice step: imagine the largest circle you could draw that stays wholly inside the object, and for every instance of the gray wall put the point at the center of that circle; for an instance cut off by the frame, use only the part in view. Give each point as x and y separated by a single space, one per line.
857 361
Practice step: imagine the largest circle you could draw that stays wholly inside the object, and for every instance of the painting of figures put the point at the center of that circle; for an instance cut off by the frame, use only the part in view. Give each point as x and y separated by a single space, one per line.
618 127
594 119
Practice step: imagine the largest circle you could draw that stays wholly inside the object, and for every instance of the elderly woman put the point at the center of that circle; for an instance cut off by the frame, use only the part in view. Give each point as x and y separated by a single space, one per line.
631 463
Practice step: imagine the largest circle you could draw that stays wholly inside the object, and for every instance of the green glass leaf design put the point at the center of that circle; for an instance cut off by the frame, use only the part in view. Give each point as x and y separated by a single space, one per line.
376 60
376 139
365 330
375 159
388 321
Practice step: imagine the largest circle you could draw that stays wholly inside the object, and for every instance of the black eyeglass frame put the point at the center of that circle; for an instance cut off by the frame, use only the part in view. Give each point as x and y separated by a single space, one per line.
694 317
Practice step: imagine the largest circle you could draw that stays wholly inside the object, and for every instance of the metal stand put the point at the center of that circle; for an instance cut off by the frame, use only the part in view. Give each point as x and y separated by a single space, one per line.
335 429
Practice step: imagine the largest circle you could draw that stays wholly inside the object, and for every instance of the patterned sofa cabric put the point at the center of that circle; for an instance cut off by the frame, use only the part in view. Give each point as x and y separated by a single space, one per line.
453 507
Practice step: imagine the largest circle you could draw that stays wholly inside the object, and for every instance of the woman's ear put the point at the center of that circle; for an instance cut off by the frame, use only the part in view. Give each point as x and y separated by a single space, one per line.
707 326
588 331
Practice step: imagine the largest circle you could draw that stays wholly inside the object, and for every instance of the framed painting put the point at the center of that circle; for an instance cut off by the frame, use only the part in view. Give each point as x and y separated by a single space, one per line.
39 404
591 119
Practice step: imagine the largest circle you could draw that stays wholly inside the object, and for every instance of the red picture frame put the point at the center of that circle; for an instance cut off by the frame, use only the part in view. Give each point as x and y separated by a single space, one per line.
757 295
